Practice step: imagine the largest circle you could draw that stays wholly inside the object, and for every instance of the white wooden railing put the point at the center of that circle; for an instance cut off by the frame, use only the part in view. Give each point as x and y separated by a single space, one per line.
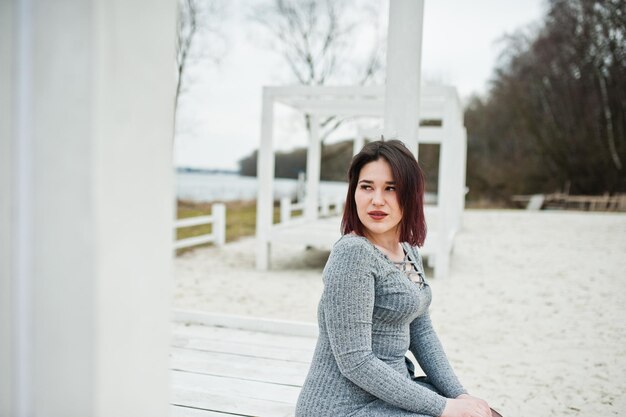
217 218
287 207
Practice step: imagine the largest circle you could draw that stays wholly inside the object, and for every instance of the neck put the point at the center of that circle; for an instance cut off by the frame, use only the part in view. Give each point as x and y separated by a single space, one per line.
389 243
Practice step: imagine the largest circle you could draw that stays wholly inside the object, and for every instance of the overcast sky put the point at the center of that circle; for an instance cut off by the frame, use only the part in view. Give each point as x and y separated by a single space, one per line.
219 114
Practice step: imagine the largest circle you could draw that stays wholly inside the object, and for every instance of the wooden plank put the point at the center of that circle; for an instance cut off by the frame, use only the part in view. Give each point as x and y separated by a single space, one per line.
193 241
235 387
232 406
241 367
185 411
243 336
287 353
284 327
192 221
236 398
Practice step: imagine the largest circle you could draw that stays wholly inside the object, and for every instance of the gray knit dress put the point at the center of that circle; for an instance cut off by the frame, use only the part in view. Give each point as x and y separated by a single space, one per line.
369 315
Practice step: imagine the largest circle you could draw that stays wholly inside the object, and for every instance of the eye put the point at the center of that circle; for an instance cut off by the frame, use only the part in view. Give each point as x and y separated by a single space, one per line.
365 187
391 188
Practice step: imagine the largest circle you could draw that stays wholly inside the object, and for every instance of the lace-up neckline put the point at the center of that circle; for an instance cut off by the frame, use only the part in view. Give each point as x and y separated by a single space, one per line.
409 267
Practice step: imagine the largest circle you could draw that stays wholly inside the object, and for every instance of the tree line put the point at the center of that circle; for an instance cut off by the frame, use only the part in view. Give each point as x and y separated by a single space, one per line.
555 117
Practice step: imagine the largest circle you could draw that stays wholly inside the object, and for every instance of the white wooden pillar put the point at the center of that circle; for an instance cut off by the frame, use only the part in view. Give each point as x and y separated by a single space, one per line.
8 355
313 167
359 141
404 51
447 189
459 174
265 178
463 169
86 206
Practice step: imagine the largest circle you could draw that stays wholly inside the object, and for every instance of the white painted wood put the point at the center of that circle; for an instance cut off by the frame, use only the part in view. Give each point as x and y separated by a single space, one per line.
445 200
265 176
218 369
182 411
321 233
324 206
535 202
91 92
245 323
7 195
234 387
193 221
232 404
285 93
218 231
266 352
247 346
194 336
463 179
404 53
301 187
218 211
242 367
16 207
342 108
285 209
313 167
426 134
193 241
436 103
339 203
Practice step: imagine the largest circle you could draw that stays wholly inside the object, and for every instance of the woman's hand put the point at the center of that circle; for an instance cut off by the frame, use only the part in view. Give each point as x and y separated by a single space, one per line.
466 406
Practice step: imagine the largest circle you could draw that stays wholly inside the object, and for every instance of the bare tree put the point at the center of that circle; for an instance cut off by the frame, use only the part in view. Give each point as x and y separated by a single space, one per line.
199 36
314 37
556 114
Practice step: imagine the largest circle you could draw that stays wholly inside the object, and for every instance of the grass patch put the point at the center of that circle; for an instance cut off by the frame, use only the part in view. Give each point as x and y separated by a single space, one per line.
240 220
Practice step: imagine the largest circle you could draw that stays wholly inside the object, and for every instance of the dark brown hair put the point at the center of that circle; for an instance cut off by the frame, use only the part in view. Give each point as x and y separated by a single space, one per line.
409 180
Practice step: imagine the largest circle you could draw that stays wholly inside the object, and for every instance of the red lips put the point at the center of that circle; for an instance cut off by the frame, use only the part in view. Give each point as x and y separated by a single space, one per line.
377 215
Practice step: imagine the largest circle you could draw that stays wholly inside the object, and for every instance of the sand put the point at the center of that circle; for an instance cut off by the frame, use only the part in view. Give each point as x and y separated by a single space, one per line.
532 316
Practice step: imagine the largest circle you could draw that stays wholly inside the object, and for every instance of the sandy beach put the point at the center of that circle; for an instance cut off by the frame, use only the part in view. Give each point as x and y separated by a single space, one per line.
532 316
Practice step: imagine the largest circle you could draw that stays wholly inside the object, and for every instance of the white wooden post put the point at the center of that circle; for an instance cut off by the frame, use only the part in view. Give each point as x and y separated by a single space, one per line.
265 178
325 205
313 165
285 209
404 52
446 197
301 187
463 173
89 279
218 211
359 141
12 279
339 201
458 140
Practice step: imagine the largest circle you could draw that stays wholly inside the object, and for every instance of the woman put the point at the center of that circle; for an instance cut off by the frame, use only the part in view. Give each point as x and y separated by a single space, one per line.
375 304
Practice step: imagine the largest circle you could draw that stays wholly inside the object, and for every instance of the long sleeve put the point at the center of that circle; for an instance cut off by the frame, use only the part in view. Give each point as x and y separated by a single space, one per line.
350 294
428 351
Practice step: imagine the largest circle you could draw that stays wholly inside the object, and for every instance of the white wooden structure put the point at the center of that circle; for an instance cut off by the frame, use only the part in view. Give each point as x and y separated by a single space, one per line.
217 219
402 103
86 206
437 103
225 365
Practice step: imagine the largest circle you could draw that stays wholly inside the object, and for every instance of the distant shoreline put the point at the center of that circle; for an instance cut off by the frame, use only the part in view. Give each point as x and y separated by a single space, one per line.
206 170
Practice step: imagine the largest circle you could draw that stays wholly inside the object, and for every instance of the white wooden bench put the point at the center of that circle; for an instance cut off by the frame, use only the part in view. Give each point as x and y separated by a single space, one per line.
237 366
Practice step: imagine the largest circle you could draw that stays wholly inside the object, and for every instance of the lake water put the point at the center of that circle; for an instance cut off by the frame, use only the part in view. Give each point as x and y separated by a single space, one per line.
203 187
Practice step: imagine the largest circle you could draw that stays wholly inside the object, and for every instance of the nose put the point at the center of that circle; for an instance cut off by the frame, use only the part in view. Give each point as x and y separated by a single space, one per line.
377 198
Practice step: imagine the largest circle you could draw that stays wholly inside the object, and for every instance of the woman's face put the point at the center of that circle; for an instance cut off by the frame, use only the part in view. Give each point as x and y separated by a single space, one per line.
377 201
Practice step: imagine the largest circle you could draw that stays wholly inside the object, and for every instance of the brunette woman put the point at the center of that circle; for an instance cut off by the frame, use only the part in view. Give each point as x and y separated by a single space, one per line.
374 307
